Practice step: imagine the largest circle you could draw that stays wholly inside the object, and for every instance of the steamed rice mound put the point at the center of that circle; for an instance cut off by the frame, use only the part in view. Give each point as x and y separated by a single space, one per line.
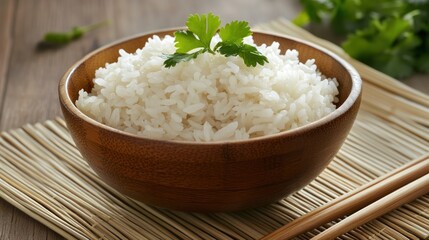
210 98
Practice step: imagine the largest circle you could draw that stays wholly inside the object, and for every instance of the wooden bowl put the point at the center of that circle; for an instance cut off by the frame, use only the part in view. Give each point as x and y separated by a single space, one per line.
216 176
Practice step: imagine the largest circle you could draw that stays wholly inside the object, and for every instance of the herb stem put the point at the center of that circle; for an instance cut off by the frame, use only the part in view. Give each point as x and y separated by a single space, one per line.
62 38
93 26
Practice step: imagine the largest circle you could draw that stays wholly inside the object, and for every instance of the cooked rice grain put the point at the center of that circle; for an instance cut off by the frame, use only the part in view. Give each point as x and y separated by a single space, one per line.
210 98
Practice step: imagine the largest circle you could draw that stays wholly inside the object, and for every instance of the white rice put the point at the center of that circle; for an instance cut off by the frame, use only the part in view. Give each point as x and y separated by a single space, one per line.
210 98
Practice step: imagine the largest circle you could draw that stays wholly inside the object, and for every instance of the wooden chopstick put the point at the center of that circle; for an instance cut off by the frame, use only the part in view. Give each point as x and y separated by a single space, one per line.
354 200
389 202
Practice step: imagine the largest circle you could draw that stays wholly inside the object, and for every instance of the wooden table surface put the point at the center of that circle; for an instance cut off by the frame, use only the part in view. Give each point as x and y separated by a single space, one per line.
29 77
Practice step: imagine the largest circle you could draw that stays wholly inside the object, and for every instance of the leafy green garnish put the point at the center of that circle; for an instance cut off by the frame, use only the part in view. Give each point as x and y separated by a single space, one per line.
389 35
61 38
198 37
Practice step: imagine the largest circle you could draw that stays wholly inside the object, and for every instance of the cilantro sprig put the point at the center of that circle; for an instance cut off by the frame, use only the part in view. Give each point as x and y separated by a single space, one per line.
53 39
198 37
389 35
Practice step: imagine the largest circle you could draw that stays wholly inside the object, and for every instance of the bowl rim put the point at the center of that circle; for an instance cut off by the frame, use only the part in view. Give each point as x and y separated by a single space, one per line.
354 95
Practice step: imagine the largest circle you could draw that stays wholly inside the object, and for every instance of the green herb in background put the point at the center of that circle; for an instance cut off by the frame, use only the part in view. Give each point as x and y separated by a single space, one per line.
197 39
61 38
389 35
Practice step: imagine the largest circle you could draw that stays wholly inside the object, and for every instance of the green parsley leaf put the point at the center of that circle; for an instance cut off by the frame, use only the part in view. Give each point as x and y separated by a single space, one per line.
173 59
302 19
385 45
198 37
250 55
232 36
422 63
389 35
186 41
394 65
235 31
204 27
229 49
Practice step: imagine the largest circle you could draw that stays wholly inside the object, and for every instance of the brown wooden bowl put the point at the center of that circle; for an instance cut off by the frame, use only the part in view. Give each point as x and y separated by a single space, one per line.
216 176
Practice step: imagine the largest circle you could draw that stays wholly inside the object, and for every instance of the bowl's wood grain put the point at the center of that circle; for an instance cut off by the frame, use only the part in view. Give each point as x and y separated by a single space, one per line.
218 176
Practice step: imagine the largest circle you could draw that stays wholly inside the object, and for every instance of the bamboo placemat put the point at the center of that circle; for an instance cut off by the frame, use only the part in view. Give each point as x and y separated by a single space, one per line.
43 174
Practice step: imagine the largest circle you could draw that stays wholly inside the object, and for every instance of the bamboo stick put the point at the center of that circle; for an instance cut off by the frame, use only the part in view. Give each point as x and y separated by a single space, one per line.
354 200
389 202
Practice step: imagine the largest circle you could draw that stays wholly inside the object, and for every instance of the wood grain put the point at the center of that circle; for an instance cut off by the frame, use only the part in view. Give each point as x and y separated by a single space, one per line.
28 78
6 21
